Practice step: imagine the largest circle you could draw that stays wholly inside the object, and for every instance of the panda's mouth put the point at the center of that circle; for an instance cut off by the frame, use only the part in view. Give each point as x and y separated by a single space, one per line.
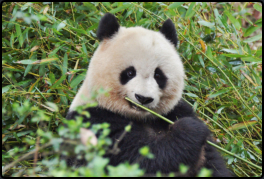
133 106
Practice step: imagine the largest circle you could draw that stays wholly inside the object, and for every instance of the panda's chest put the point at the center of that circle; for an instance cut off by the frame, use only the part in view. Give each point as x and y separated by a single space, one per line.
155 132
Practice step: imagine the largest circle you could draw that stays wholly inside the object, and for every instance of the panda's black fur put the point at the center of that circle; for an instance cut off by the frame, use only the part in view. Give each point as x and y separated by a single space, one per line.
172 144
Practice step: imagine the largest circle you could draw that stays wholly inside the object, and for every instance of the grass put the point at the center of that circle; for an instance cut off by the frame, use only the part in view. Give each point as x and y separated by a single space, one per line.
46 48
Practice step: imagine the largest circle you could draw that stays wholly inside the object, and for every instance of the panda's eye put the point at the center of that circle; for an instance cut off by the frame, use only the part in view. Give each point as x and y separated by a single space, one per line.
157 76
130 73
127 74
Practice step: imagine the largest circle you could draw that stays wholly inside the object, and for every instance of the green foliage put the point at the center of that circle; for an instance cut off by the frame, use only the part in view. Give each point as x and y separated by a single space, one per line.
46 48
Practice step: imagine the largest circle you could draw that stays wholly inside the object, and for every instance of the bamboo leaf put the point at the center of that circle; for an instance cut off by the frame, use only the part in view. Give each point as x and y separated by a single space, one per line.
242 125
219 93
252 29
19 35
65 64
59 81
230 50
52 106
207 24
257 7
90 6
191 95
64 100
233 55
81 31
253 39
6 88
251 59
77 80
233 20
190 12
118 9
61 25
175 5
33 85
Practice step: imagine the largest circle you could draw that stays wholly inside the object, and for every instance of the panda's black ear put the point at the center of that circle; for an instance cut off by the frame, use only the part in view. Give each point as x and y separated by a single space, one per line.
169 31
108 26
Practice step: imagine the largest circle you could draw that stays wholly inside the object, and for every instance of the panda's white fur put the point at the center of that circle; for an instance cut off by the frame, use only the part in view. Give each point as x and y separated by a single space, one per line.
145 50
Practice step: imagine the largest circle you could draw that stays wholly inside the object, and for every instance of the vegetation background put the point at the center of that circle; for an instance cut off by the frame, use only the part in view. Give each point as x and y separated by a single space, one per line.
46 48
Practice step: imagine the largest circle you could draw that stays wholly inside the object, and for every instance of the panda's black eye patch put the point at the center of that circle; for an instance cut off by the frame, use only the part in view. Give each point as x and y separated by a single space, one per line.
160 78
127 75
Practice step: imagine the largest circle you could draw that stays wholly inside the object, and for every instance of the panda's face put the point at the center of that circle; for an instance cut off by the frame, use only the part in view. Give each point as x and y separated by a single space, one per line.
140 64
134 62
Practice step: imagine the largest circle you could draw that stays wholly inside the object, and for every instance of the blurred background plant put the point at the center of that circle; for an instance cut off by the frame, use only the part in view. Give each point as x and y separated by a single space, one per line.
46 48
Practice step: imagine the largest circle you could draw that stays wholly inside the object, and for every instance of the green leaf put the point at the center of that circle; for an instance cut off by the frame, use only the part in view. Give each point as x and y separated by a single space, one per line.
230 50
24 83
201 60
253 39
29 61
42 67
233 20
139 14
59 81
190 12
209 52
57 32
204 172
28 69
55 51
233 55
175 5
25 6
77 80
65 64
107 4
52 106
90 6
218 18
207 24
81 31
251 59
19 35
252 29
144 150
84 49
183 168
52 78
92 27
6 88
219 93
118 9
61 25
191 95
12 40
128 128
242 125
257 7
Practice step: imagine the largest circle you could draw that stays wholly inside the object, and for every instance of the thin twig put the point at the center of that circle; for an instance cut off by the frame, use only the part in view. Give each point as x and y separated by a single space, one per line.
36 154
115 149
24 157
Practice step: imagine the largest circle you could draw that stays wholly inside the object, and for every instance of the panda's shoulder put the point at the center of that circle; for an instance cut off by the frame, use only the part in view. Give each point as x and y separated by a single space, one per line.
182 109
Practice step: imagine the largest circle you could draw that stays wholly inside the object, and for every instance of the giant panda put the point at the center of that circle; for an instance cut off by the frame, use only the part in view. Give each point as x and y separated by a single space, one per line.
144 66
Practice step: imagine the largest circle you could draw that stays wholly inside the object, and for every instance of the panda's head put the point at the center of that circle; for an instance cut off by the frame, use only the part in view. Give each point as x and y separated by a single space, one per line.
138 63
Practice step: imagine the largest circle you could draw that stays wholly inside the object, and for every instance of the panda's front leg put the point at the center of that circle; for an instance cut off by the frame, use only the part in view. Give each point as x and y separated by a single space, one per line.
183 143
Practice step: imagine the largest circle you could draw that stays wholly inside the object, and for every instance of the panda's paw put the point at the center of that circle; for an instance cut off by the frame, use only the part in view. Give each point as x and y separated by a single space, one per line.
190 128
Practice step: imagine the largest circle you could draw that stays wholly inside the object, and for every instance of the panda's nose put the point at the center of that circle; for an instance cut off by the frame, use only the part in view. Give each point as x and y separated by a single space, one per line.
143 99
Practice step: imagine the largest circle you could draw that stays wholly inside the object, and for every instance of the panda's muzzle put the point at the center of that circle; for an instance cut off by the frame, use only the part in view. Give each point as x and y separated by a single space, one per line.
133 106
143 99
